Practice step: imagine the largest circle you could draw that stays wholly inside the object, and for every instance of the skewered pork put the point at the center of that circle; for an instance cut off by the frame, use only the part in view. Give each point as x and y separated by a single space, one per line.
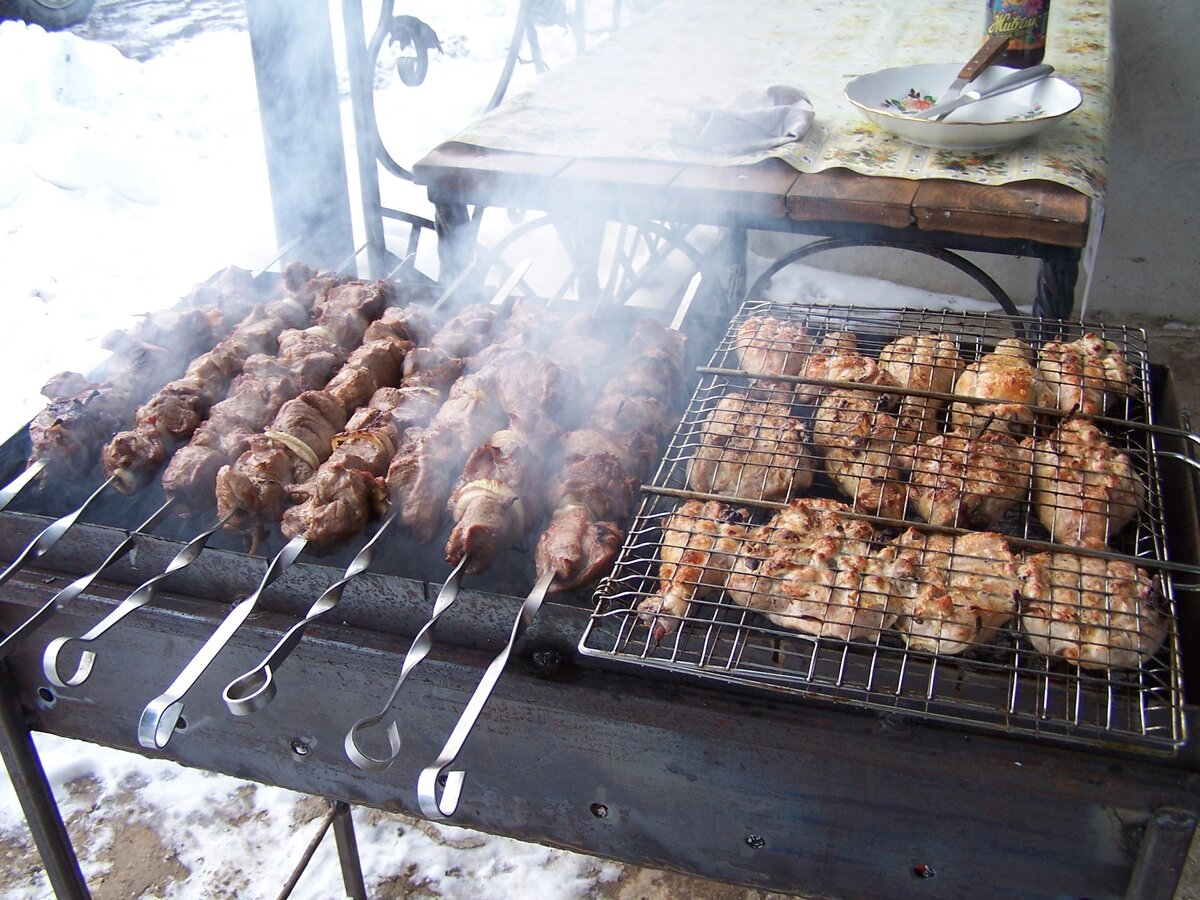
751 449
254 489
1084 489
500 493
862 443
1089 375
603 463
809 570
926 362
700 541
497 498
953 592
68 435
1006 376
347 490
1094 613
971 481
305 360
174 413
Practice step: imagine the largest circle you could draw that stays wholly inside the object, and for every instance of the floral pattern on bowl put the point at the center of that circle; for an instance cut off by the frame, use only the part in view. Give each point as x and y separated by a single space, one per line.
912 102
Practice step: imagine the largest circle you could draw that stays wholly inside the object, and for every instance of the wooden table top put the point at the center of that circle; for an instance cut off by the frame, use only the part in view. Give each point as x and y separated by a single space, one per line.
765 195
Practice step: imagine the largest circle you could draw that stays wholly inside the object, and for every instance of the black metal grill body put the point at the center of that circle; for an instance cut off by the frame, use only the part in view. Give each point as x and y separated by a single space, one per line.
752 788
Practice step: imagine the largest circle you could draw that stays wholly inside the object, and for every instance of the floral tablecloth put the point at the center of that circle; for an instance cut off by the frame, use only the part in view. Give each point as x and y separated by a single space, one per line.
626 96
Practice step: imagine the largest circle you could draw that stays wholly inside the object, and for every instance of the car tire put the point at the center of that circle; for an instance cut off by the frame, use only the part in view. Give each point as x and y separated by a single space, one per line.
50 14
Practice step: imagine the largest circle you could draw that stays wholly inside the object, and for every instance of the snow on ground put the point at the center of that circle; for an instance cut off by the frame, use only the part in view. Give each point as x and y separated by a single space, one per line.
123 182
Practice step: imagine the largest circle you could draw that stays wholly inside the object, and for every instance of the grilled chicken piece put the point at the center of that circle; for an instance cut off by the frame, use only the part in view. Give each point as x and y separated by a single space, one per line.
1006 376
953 592
833 345
863 445
1094 613
926 362
751 449
1084 490
809 570
767 345
1089 374
957 479
699 543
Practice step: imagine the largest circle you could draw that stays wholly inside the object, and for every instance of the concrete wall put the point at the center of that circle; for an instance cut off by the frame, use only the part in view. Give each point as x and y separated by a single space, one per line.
1149 264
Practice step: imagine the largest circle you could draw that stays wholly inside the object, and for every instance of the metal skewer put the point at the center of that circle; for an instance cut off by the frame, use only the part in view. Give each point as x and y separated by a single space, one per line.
51 534
67 595
139 598
400 265
252 691
423 642
282 252
420 648
438 777
19 483
161 714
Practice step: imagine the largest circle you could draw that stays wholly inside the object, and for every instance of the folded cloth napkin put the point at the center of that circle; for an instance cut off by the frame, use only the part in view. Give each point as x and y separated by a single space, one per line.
755 120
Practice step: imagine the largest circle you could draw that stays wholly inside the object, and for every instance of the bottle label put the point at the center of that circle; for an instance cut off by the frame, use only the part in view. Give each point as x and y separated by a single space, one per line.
1025 20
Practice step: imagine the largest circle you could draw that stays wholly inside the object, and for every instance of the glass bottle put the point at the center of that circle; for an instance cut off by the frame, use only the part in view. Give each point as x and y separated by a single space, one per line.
1025 20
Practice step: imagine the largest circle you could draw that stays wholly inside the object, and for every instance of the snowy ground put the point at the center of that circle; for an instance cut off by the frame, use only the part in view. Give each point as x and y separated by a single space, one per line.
126 176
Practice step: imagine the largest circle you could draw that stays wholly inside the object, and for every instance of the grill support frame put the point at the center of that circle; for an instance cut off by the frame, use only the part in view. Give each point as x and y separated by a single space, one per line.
612 765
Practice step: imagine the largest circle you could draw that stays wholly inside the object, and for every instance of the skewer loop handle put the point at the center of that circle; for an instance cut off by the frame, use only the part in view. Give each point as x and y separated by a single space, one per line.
440 774
420 648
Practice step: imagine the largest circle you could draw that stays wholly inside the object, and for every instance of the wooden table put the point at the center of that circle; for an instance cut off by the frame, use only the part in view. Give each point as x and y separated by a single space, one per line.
614 133
1034 218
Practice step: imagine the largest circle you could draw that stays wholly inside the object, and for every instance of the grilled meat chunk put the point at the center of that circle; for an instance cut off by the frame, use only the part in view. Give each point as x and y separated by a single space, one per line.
768 345
751 449
863 445
497 498
820 364
577 547
809 570
1084 489
1089 375
1094 613
926 362
971 481
1006 376
305 360
953 592
700 541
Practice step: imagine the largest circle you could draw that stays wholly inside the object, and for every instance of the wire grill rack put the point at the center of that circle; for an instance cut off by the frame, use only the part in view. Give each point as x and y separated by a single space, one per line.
782 545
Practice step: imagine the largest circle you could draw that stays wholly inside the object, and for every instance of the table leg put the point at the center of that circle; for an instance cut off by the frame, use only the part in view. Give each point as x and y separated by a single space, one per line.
1057 276
456 239
36 798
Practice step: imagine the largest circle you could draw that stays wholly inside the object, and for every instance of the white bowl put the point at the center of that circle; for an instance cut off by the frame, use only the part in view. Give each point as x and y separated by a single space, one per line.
891 98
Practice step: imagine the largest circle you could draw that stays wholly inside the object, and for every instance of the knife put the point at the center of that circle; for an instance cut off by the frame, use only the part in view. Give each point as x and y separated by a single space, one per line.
984 57
1011 82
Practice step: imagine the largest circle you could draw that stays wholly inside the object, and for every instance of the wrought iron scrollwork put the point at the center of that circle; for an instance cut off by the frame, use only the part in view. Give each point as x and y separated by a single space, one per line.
410 32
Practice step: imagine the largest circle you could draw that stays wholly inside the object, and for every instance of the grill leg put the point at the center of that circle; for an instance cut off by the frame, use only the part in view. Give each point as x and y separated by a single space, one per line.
37 800
1162 855
347 847
1057 276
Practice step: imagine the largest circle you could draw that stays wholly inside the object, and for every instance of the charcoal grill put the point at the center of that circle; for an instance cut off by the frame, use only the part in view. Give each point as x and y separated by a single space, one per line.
735 750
